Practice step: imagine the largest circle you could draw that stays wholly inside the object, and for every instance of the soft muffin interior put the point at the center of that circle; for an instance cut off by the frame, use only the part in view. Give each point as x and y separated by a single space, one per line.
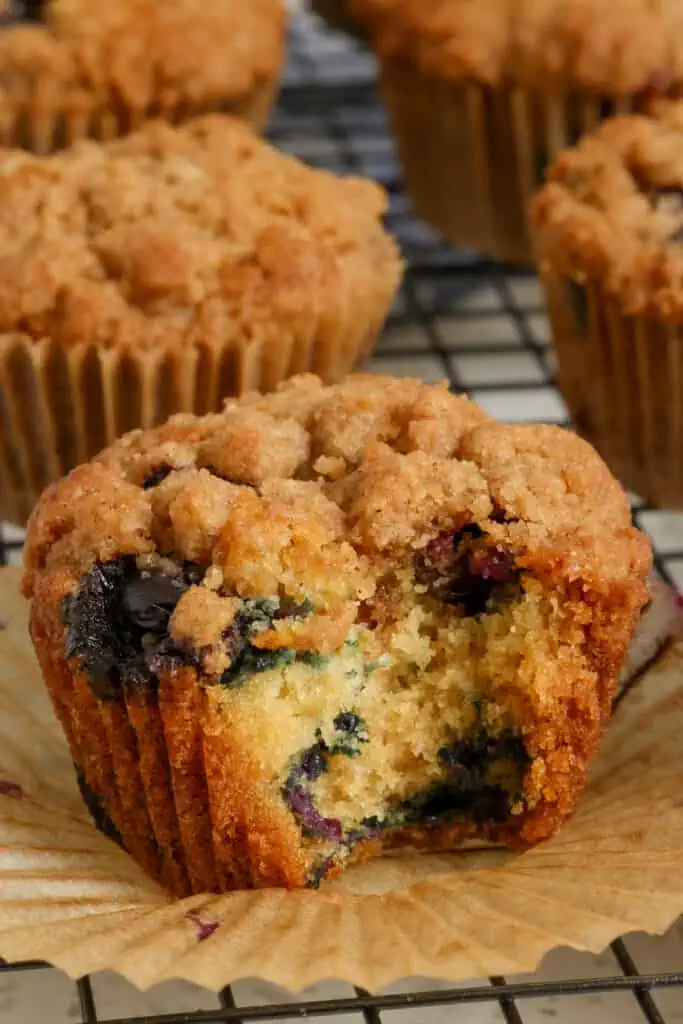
423 714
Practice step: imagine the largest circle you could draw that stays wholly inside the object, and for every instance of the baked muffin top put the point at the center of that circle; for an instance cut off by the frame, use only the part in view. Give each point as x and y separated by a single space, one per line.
174 235
612 211
320 489
140 53
616 47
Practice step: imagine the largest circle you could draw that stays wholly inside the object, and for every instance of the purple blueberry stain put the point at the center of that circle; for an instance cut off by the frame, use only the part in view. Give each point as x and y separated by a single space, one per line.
117 624
11 789
465 569
156 475
203 929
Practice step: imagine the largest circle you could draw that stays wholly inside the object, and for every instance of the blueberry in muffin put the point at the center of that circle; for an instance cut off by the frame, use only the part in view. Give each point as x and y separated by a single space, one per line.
332 621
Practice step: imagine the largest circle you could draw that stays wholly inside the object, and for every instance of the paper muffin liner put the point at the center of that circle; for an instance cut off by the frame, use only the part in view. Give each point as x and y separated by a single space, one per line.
622 380
43 121
473 155
60 405
335 13
73 898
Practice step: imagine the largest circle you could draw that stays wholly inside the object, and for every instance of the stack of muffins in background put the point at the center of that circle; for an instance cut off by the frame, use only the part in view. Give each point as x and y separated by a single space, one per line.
547 132
157 257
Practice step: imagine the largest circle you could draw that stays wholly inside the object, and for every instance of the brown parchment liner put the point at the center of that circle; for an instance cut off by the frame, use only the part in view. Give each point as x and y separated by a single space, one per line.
60 405
473 155
72 898
622 380
45 120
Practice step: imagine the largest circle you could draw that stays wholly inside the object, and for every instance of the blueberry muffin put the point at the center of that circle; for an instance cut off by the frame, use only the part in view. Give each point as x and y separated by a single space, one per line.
332 621
71 69
483 93
162 272
609 225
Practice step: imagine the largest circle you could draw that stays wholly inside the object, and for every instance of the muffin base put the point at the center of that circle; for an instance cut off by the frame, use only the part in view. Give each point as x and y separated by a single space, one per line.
473 156
622 380
60 405
44 124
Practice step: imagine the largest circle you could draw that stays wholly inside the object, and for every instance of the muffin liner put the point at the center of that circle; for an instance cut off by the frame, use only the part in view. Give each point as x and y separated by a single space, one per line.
60 405
622 380
45 121
473 155
71 897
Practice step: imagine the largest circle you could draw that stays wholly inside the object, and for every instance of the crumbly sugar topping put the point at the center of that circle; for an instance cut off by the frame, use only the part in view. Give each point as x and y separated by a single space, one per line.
611 212
319 489
621 47
181 235
141 52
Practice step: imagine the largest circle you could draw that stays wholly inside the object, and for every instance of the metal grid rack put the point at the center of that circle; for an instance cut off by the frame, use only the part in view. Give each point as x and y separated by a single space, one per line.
483 327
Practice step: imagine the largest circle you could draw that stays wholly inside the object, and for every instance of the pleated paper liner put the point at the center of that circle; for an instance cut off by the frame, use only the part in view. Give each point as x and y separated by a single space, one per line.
47 120
473 156
622 380
60 405
73 898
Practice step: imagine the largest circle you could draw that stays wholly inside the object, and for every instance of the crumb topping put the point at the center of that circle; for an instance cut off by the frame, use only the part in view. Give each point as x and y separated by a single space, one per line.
611 212
142 53
242 492
622 47
181 235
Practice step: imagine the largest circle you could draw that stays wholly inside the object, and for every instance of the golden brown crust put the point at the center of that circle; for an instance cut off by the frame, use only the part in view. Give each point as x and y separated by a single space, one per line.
141 55
409 462
612 212
186 236
622 47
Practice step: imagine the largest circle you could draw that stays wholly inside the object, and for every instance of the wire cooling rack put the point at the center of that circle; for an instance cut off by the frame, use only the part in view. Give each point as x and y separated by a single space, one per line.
484 328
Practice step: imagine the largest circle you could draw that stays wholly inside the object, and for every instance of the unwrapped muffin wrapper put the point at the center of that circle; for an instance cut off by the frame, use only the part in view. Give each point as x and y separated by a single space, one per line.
622 380
474 155
71 897
47 121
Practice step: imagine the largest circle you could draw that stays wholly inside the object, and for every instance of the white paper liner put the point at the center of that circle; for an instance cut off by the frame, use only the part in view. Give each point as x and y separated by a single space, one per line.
74 899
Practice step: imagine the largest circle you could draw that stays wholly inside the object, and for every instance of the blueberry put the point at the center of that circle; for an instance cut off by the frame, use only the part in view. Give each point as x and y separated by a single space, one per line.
313 762
465 569
156 475
149 599
312 822
348 721
117 625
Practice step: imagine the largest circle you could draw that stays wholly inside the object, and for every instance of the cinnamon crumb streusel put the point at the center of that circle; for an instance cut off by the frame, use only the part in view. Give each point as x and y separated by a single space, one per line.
76 68
329 621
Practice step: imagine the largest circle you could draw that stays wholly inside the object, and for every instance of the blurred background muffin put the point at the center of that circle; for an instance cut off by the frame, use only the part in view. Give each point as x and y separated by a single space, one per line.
167 271
71 69
482 94
609 224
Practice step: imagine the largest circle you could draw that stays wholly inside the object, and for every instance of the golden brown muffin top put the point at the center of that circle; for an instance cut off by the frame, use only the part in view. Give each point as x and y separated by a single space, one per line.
321 490
180 235
612 212
617 47
142 53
